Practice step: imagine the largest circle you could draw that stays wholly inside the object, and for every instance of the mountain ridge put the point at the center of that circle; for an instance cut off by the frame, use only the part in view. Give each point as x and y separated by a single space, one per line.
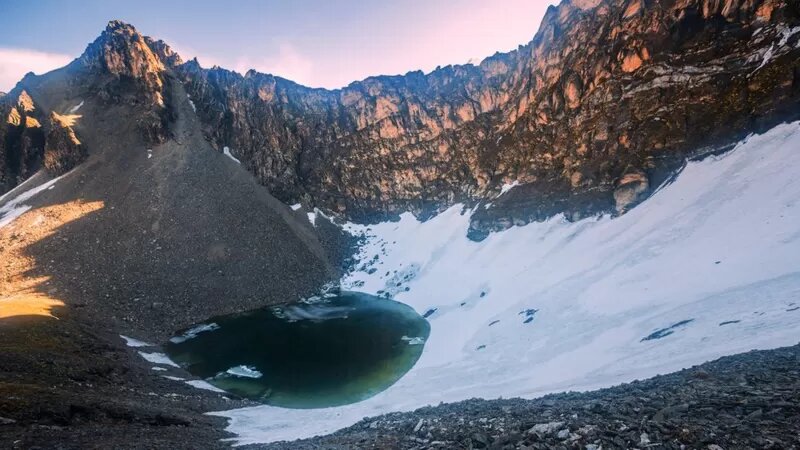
570 116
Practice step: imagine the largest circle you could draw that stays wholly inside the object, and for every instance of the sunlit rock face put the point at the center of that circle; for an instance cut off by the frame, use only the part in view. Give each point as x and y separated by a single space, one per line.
63 150
607 88
123 67
21 139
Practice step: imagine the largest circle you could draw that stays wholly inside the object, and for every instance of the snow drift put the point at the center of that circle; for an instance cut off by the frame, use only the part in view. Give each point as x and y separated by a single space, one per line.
708 266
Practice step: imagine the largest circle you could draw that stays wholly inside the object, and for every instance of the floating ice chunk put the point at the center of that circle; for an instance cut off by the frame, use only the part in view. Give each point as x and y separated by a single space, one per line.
316 313
413 340
193 332
158 358
131 342
244 371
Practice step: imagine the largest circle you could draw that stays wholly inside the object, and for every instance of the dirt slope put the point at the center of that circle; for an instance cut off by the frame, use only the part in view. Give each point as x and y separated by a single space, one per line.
140 241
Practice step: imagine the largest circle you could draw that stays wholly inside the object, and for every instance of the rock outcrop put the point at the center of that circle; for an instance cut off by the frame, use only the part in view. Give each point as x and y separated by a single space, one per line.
122 66
62 151
21 139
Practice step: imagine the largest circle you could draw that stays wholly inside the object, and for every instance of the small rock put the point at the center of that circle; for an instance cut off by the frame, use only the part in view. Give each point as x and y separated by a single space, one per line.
644 439
563 434
6 421
543 429
419 425
714 447
480 439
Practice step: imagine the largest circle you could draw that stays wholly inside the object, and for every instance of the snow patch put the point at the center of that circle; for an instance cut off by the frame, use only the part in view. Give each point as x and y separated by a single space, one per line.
296 206
507 187
75 108
200 384
158 358
14 208
169 377
312 217
131 342
718 244
227 152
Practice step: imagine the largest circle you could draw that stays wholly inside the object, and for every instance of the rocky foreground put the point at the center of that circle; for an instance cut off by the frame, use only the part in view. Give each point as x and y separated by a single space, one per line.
751 400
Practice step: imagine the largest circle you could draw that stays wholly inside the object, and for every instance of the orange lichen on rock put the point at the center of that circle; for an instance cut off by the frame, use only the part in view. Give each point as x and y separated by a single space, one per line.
631 63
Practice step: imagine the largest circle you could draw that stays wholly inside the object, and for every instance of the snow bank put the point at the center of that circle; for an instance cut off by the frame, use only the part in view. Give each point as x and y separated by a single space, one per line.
558 306
14 207
227 152
200 384
158 358
131 342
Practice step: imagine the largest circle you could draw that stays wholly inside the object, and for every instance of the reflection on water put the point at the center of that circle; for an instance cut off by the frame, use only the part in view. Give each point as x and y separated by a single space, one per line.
336 351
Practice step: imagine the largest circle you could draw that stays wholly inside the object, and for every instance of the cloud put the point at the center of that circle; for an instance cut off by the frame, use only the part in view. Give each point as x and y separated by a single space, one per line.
16 62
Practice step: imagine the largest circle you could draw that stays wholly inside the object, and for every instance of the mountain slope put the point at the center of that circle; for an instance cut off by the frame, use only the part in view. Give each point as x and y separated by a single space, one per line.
152 232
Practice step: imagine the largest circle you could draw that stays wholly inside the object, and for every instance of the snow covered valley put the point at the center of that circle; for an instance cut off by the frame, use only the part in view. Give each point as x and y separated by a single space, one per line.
708 266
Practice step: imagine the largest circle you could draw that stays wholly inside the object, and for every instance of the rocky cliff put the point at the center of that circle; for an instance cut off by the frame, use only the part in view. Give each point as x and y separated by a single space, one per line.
602 106
598 109
21 139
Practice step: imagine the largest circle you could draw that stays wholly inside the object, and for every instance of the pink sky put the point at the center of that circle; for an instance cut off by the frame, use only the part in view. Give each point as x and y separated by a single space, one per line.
419 40
317 50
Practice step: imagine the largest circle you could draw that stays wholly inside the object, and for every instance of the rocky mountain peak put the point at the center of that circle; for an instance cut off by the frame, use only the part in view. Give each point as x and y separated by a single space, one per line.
122 51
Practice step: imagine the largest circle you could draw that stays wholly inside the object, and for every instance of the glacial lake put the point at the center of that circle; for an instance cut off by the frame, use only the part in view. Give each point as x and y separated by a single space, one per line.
330 352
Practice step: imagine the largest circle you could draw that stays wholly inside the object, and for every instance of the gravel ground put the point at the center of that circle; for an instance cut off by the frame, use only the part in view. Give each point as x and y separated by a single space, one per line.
747 401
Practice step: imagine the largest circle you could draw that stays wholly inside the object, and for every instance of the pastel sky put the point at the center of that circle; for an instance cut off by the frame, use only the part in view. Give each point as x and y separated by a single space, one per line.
320 43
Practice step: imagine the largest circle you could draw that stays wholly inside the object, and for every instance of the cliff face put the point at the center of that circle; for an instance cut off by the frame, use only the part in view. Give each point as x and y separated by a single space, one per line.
599 108
122 66
603 105
21 139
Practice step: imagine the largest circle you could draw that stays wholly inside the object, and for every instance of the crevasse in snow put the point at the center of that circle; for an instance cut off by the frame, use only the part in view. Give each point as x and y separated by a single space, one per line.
557 306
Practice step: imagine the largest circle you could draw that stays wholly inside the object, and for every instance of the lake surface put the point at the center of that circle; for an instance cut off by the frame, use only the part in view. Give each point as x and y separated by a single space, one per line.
331 352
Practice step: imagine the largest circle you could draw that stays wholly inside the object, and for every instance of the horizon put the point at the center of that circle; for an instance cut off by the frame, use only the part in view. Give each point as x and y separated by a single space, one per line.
308 42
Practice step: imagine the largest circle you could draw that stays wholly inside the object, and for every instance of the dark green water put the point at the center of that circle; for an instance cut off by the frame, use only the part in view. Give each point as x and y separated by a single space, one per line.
337 351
